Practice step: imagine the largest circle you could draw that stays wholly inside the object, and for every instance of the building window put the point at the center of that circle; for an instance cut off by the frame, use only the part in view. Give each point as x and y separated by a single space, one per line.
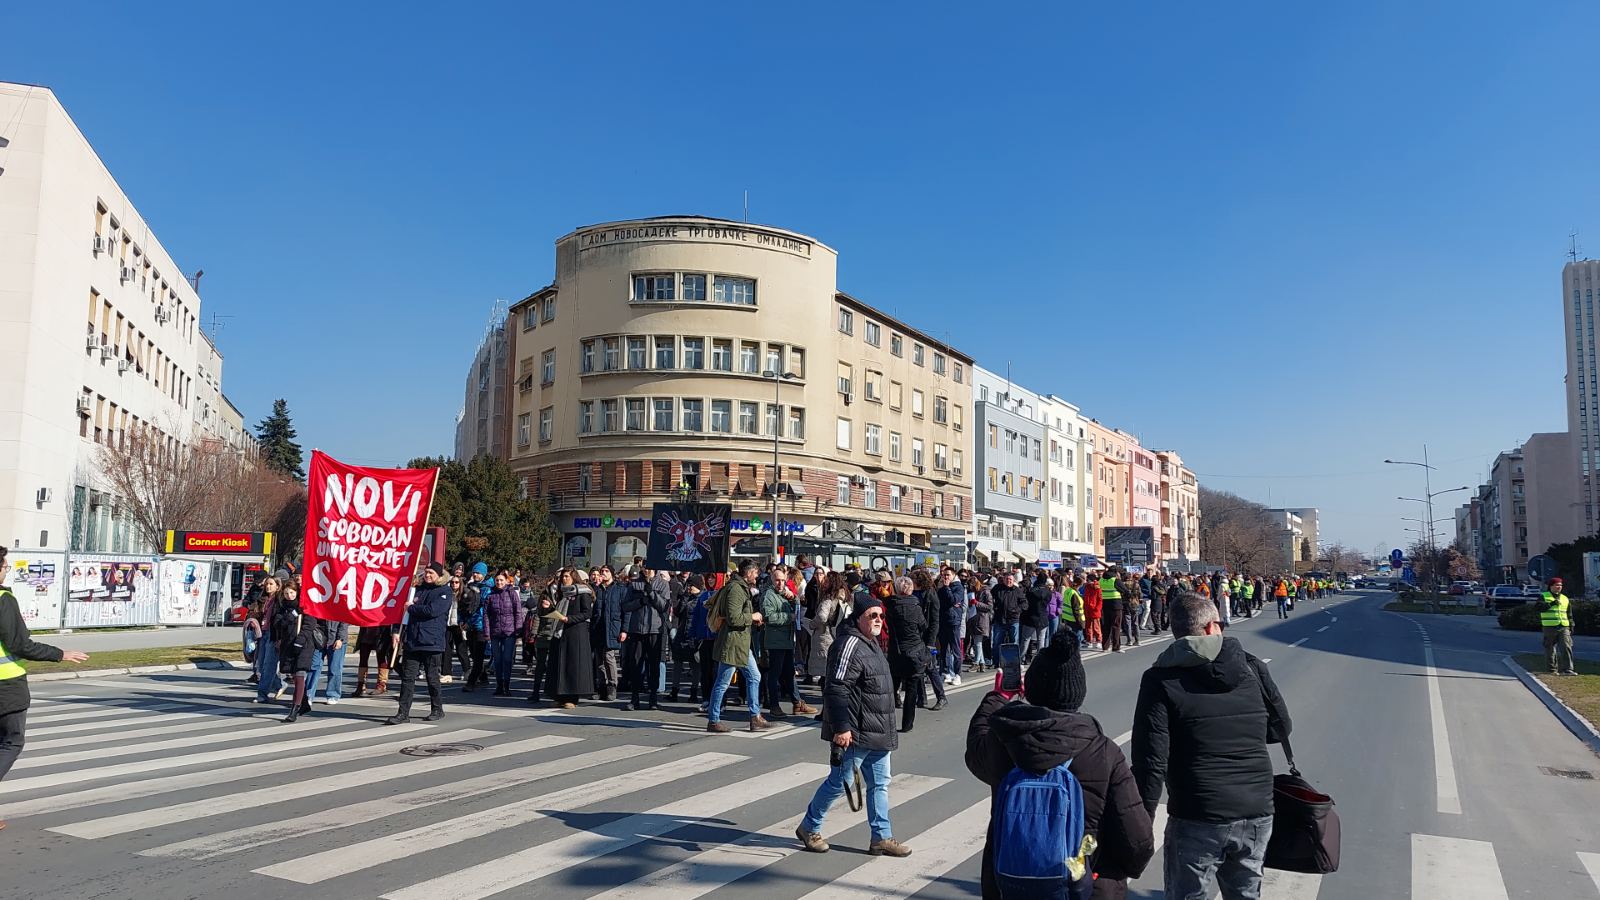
666 348
896 394
775 356
870 494
916 404
846 379
871 332
1066 495
842 441
694 353
916 502
894 446
941 457
797 362
847 321
656 287
917 351
994 479
957 373
738 291
938 363
608 416
722 416
842 490
1011 442
547 368
586 416
546 420
797 424
635 415
872 385
722 356
694 415
955 460
941 410
1036 444
611 354
897 344
894 497
524 429
873 444
774 419
750 358
955 507
586 357
694 287
747 417
637 358
530 317
665 409
585 479
1066 457
916 452
549 310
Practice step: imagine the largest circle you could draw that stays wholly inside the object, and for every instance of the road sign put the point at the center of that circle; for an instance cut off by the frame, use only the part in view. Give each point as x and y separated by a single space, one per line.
1541 567
1396 557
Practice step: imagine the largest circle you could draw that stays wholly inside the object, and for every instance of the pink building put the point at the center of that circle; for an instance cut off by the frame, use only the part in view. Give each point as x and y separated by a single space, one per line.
1144 487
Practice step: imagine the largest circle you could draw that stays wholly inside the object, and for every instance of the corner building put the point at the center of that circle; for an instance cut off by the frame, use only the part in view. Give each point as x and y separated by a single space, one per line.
669 353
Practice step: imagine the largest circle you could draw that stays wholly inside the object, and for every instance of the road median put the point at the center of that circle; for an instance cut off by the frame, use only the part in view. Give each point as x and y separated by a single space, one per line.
141 661
1575 700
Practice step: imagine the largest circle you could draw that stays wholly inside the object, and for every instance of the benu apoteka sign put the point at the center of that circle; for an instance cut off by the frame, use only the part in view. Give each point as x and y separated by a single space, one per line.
243 543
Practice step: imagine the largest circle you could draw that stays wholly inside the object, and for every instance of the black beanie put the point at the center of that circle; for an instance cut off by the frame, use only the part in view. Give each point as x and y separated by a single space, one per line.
864 602
1056 679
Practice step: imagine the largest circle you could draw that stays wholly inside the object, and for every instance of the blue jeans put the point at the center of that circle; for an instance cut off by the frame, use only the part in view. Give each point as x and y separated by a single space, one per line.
267 654
502 652
335 661
1048 635
1195 853
874 765
1283 607
980 649
752 688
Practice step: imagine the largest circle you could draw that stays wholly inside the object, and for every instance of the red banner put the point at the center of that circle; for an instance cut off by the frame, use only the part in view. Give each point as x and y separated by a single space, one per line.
363 536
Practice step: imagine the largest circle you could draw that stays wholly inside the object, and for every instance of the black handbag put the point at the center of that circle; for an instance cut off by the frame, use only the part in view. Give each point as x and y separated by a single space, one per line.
1305 826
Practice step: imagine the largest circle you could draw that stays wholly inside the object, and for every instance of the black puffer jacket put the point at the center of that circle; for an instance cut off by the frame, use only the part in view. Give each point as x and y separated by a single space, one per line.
1009 602
859 696
1004 736
1205 714
908 628
1037 614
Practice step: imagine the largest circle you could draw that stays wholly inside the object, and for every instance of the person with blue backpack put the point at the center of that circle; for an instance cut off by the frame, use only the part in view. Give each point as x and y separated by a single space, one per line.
1066 819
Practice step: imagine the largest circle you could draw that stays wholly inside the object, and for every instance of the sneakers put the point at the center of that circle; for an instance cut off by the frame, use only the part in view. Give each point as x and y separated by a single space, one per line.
717 728
941 704
759 724
331 701
810 841
888 847
434 716
447 679
955 680
802 708
397 719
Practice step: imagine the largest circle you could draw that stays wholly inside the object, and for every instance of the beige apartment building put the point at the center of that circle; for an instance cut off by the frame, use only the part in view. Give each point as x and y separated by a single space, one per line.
1179 538
1109 501
679 355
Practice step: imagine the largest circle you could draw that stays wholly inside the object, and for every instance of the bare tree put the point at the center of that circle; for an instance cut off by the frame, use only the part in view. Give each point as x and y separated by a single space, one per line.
1238 533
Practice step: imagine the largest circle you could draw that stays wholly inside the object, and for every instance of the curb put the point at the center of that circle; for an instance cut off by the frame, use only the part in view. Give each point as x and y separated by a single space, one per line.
1581 728
138 670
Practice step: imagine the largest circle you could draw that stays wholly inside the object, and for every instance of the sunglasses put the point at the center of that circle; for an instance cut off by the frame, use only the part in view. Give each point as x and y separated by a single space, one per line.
872 615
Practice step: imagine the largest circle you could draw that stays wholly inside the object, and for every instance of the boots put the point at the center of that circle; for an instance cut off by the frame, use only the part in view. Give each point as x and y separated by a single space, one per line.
383 682
299 704
361 682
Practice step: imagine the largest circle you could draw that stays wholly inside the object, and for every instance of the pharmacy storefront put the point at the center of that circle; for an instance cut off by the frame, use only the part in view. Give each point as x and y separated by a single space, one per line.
614 540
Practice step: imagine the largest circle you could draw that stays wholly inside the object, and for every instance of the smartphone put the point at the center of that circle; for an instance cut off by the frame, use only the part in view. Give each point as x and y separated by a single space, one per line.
1010 667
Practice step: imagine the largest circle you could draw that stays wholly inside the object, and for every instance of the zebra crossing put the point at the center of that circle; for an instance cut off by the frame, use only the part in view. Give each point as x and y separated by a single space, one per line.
183 781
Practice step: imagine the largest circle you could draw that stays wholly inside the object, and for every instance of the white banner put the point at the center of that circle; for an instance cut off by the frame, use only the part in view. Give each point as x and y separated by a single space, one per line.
36 579
184 586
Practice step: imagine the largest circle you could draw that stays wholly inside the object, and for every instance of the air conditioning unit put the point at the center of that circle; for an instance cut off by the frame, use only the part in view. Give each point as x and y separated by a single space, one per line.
921 469
83 404
99 245
848 397
127 274
93 344
858 480
43 496
123 365
161 314
956 471
107 351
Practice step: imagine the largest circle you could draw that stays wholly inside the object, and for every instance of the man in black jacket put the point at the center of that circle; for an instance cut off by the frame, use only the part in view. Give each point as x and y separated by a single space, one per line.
1047 731
1009 602
644 630
858 719
908 647
424 639
16 644
1205 714
1035 617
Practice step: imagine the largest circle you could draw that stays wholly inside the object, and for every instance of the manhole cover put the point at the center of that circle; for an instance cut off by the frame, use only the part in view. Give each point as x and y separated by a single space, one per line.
1579 774
440 749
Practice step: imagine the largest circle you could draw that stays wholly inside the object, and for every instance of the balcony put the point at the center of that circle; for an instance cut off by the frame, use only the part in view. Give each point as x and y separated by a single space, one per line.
740 497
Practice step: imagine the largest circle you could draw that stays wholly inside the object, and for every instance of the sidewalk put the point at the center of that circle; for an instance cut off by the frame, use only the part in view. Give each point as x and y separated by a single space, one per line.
99 640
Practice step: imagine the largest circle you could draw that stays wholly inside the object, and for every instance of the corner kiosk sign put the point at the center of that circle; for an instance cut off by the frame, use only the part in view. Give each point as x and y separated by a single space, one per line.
241 543
759 238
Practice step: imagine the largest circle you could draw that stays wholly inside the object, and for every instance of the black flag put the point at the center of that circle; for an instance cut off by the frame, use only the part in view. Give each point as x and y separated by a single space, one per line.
689 537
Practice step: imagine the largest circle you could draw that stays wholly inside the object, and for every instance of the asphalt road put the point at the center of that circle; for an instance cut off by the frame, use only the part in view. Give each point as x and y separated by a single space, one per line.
175 786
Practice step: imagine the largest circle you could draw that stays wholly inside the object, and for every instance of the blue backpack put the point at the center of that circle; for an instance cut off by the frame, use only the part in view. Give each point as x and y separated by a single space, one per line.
1038 826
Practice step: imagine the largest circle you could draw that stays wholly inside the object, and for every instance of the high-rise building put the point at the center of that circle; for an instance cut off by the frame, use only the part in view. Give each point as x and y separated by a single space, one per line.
482 428
1578 285
134 370
1552 506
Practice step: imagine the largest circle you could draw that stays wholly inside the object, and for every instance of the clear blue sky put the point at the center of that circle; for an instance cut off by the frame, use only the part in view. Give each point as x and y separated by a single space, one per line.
1287 241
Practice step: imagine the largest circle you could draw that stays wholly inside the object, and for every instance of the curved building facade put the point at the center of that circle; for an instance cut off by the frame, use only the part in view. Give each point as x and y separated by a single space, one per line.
669 352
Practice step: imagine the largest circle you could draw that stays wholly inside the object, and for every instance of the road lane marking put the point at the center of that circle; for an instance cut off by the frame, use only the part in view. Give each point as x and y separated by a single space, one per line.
126 708
134 789
707 871
1280 885
251 837
239 731
319 867
1445 868
1299 642
95 726
574 850
1591 862
209 721
293 790
938 850
1323 628
1444 768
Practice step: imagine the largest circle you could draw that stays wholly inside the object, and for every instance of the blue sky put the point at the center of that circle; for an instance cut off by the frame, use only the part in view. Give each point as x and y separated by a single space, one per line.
1288 242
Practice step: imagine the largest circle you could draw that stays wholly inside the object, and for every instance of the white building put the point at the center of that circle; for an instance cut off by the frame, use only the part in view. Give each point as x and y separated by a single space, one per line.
1068 525
102 335
1008 492
481 427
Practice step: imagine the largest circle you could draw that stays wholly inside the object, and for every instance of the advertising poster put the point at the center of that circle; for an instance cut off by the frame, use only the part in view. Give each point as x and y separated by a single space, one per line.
575 550
689 537
185 584
110 590
364 530
36 580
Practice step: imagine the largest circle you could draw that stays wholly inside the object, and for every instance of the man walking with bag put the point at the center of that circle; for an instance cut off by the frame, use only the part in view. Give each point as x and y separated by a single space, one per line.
1205 714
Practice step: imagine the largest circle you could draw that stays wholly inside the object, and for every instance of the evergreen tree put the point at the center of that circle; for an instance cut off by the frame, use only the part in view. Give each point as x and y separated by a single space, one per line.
481 507
279 450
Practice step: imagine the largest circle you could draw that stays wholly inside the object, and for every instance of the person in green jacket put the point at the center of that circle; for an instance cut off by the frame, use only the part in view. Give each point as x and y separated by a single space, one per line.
777 636
735 606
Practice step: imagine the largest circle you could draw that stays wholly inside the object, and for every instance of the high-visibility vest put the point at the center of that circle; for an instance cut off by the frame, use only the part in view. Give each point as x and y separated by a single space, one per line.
1292 588
1069 602
1249 590
1108 589
1282 590
1554 612
9 666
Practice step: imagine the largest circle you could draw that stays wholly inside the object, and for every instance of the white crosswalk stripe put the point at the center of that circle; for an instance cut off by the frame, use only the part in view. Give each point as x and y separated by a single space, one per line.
541 860
1277 884
80 727
239 839
193 723
707 871
937 851
240 730
1591 864
319 867
86 712
293 790
1446 868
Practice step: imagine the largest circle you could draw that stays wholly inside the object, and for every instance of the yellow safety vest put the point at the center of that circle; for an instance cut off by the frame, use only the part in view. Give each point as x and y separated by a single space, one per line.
9 667
1069 602
1552 615
1108 589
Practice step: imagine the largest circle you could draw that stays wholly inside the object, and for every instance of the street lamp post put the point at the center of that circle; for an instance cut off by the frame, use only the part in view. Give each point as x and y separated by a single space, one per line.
1427 492
778 378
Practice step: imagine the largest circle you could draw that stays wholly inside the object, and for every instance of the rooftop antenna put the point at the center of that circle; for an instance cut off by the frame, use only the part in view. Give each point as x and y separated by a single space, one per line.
747 206
217 325
1572 245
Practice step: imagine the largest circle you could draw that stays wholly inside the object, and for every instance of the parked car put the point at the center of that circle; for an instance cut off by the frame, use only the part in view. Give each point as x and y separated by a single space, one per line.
1460 588
1506 595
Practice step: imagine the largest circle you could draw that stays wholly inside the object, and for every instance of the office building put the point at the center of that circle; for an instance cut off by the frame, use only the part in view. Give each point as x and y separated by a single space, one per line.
1008 498
1578 285
482 428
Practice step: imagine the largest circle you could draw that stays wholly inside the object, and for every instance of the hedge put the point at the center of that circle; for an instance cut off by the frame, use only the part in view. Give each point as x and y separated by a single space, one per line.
1585 617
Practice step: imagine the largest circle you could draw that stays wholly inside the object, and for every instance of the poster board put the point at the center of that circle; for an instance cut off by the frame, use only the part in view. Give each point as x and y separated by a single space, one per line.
36 579
110 590
185 586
